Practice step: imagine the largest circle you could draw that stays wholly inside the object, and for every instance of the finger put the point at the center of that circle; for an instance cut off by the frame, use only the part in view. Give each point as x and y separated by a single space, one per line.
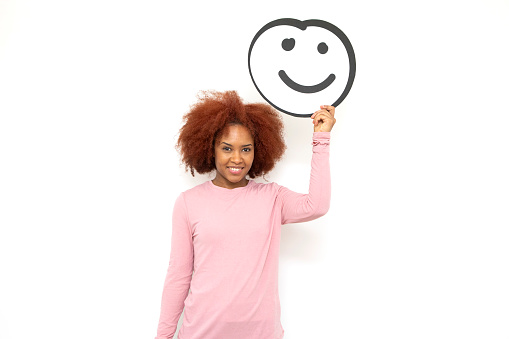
329 108
324 119
314 114
324 122
321 115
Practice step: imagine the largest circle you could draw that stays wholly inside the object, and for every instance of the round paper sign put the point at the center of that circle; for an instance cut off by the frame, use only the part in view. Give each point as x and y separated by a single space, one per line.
299 65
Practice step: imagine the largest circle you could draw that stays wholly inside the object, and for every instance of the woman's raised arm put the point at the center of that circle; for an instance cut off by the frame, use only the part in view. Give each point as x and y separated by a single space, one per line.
297 207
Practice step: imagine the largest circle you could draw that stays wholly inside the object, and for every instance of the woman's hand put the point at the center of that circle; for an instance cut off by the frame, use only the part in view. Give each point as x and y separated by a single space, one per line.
324 118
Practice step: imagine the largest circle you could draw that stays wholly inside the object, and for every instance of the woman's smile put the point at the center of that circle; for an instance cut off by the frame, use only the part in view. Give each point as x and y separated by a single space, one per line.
235 170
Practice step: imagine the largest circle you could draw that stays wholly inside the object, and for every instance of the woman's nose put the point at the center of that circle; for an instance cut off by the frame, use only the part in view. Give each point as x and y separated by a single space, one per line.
236 157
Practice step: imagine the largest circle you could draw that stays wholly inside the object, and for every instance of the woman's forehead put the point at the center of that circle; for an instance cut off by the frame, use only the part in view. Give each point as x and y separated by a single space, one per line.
236 134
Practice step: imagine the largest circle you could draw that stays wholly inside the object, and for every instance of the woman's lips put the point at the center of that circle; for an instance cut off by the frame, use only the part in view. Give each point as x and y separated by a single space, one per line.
235 170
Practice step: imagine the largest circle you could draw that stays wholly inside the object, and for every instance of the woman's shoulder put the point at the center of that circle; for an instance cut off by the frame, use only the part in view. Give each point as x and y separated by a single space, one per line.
265 187
196 190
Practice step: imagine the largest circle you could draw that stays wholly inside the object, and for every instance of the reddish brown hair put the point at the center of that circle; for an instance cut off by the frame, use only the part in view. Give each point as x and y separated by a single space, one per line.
207 120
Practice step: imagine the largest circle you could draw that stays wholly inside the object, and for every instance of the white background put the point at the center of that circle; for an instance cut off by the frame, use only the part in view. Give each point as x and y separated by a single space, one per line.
91 98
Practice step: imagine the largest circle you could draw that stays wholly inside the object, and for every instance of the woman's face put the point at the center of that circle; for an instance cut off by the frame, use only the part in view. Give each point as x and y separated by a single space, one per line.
234 154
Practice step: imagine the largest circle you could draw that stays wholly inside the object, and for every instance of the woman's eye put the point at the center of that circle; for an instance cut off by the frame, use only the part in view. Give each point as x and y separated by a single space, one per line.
226 148
247 149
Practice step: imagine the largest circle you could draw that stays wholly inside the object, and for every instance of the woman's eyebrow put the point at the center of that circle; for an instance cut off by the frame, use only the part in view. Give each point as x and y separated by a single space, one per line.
232 145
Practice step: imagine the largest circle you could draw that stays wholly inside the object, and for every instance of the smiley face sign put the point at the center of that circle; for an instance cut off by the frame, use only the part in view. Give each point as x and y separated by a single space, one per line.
299 65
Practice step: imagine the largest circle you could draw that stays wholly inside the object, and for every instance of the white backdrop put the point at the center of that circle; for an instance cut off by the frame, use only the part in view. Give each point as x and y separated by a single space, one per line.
91 98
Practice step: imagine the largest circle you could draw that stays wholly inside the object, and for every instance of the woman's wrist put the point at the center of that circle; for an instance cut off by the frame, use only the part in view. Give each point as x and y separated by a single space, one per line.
321 134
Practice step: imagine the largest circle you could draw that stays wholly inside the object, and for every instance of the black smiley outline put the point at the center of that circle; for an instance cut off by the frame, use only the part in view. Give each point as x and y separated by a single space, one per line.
302 25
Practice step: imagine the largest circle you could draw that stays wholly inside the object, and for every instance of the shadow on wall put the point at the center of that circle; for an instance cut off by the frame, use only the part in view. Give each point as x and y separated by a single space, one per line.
301 242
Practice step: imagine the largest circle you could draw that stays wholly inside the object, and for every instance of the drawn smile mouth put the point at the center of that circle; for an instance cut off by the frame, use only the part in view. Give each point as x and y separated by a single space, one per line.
306 89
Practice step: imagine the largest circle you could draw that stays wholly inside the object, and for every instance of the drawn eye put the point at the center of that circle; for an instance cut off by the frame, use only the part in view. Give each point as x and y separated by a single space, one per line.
288 44
322 48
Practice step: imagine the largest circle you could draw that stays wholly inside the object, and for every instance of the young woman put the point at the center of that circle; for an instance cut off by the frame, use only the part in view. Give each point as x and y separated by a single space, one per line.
227 230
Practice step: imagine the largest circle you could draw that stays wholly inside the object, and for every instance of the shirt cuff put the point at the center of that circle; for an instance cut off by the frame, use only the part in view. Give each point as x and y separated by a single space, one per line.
321 138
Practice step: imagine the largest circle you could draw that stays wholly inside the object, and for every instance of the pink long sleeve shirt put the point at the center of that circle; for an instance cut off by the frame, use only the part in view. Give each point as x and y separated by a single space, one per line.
230 238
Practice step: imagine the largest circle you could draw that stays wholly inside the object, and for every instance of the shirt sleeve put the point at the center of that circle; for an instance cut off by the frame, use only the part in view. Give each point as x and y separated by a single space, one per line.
297 207
180 270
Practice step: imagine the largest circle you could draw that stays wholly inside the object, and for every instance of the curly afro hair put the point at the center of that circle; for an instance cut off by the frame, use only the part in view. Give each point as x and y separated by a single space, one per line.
208 119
